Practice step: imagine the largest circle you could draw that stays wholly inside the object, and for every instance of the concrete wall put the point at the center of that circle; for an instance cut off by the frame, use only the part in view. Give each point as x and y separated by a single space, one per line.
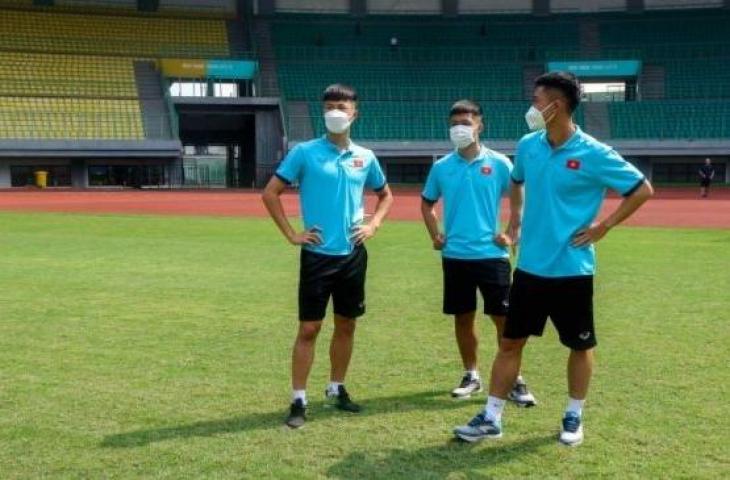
6 163
663 4
404 6
270 149
79 168
496 6
329 6
586 6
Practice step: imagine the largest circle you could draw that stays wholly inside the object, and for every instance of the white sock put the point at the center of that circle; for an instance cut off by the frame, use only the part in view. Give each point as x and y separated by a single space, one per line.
473 374
575 406
299 394
493 408
334 387
519 380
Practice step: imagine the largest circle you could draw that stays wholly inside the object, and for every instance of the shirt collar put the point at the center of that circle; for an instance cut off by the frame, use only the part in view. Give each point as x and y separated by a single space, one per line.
348 149
576 135
483 152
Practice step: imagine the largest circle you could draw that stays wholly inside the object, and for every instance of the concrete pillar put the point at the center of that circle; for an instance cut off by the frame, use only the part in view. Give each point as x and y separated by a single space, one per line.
79 174
358 8
541 7
450 8
266 7
4 174
634 6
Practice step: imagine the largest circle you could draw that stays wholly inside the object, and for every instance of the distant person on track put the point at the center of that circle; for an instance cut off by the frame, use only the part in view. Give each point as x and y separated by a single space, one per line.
564 174
707 174
332 173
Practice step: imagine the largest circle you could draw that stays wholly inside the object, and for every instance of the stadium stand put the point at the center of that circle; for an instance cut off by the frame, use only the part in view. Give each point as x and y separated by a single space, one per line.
63 118
59 75
133 36
669 119
91 70
437 61
408 89
71 75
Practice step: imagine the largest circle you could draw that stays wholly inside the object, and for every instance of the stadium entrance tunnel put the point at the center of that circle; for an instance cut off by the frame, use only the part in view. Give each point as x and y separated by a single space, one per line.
250 130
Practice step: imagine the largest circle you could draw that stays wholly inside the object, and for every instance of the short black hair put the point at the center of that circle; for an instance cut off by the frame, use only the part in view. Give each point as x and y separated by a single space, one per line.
465 106
338 92
565 82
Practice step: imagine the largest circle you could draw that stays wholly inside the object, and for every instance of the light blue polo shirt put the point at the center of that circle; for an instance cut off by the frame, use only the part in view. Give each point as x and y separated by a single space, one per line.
331 184
472 191
564 190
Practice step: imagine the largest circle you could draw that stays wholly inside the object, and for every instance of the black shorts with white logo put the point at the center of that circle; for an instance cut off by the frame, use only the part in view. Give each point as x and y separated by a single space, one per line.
341 277
462 278
568 301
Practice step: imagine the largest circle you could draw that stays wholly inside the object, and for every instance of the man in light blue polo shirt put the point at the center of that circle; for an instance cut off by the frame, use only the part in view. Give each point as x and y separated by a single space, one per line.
471 180
332 173
565 173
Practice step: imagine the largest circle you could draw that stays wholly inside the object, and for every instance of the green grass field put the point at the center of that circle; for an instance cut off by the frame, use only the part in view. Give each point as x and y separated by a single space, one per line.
159 347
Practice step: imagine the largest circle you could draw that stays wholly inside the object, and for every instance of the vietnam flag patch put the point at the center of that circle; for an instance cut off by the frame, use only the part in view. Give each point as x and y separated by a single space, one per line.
486 170
573 164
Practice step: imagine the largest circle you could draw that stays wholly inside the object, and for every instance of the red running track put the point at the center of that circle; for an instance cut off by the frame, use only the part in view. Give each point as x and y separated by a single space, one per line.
669 207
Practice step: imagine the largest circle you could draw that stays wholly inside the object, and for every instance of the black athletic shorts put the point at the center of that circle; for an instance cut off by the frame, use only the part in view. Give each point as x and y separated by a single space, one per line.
568 301
462 278
705 182
342 277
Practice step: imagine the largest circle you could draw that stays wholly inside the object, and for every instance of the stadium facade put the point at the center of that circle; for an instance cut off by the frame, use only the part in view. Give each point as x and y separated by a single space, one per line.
212 93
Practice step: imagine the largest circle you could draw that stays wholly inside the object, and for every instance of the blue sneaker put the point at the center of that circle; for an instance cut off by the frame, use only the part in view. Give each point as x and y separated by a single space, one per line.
572 432
479 428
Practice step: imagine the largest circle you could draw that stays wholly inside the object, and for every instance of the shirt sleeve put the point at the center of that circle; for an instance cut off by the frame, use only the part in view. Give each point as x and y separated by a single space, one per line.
431 190
617 174
291 168
518 172
376 178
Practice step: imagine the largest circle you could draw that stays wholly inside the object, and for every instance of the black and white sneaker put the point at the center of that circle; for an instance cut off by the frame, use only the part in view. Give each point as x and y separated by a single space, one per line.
467 386
521 396
297 414
342 401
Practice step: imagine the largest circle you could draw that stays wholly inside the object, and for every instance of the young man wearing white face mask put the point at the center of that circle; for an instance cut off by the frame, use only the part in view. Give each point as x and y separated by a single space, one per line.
565 174
332 173
471 180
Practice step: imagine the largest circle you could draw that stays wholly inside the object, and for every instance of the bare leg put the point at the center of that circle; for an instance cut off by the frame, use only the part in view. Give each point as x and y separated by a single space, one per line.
303 353
499 321
580 369
506 366
341 346
467 339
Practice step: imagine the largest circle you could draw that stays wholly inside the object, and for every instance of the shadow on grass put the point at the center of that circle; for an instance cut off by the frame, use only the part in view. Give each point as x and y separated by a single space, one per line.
423 401
453 458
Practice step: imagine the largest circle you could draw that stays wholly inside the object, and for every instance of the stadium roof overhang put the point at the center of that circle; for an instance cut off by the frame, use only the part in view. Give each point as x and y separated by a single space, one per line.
90 148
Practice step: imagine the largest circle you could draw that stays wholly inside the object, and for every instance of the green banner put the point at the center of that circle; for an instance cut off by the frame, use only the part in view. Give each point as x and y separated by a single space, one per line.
609 68
216 69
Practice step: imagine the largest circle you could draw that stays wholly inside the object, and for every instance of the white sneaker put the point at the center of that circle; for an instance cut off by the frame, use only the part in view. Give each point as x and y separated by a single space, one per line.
467 386
572 431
